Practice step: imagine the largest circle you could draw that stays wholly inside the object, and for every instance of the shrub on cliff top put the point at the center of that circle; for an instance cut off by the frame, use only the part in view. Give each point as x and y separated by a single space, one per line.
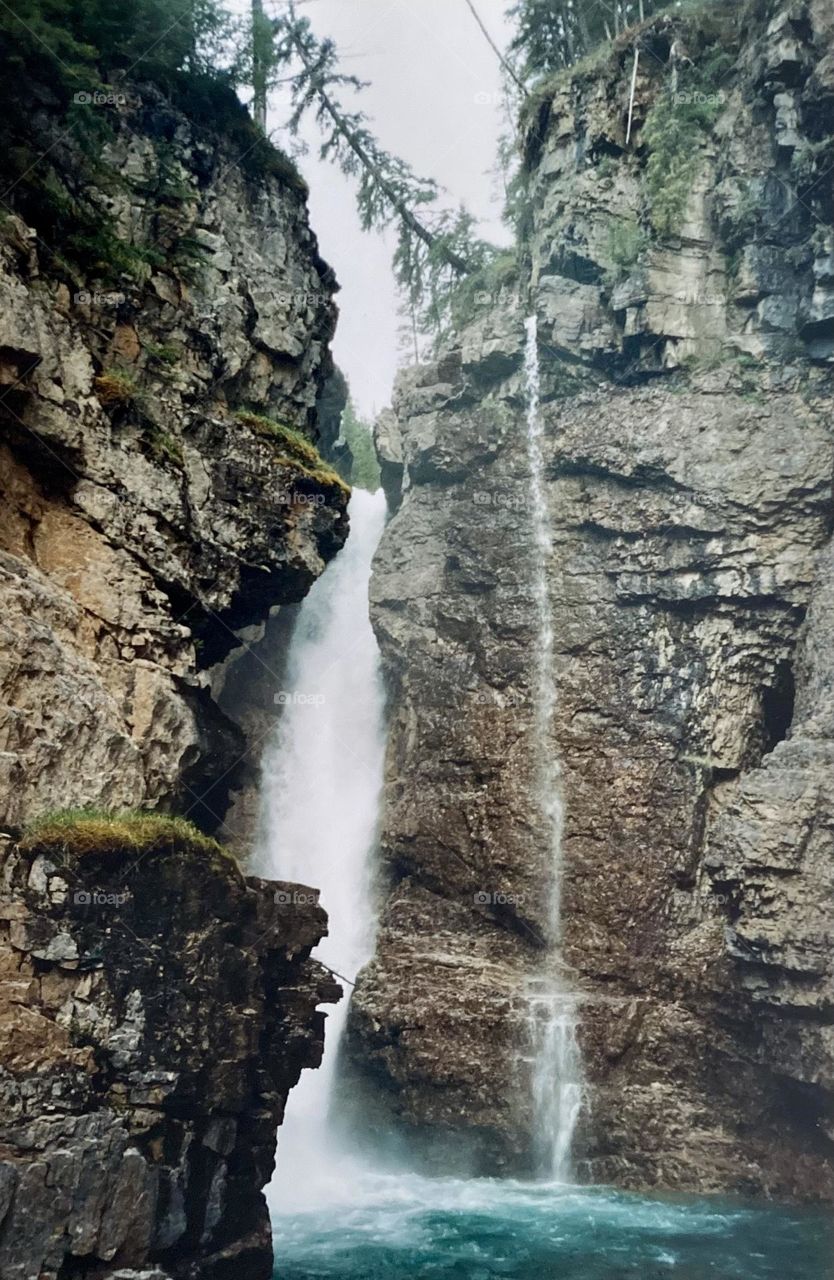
81 832
675 131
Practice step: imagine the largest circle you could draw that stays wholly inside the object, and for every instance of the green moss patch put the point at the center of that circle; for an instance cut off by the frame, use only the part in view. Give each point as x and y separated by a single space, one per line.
79 833
294 450
627 242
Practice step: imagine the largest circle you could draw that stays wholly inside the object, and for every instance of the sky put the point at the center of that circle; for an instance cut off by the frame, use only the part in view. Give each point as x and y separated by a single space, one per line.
436 99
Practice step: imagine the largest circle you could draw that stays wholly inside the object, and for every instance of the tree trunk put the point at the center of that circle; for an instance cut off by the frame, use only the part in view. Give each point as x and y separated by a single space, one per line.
260 64
633 91
504 63
584 29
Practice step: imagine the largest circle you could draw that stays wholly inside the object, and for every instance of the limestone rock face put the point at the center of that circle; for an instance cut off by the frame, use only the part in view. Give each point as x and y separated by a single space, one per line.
690 582
143 523
156 1011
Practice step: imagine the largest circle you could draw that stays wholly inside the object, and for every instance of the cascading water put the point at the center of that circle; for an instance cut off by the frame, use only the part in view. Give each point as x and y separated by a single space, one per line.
322 776
556 1061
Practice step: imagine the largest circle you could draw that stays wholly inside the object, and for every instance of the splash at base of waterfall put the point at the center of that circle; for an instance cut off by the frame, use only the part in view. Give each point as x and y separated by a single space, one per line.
410 1228
557 1076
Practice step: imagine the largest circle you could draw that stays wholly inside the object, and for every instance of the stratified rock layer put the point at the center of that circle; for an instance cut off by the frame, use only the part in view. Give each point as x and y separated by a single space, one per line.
157 1008
143 522
689 488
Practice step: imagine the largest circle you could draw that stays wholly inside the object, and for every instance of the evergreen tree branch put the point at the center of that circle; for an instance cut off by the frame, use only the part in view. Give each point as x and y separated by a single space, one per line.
350 130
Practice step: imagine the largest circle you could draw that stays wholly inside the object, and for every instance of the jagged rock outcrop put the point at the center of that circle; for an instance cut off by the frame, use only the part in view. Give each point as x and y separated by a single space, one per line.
156 1010
143 522
689 455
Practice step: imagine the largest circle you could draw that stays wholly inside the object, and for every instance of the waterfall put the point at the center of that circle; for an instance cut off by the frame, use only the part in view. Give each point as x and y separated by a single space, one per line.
547 766
322 776
552 1011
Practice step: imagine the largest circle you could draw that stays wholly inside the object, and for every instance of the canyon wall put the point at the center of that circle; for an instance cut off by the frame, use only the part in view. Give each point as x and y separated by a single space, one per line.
684 289
150 512
161 496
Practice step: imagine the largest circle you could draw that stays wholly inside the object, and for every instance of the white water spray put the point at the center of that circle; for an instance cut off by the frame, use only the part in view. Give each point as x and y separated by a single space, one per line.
322 776
557 1066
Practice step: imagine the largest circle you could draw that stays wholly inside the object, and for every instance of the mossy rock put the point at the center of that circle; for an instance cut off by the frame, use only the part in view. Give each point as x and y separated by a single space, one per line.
295 450
80 833
114 389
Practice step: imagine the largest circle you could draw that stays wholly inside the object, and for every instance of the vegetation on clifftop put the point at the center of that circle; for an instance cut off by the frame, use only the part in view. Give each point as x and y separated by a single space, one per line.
294 450
82 832
72 75
358 436
676 127
554 34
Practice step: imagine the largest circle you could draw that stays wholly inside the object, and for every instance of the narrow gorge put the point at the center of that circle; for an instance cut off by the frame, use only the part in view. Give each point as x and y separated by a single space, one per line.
416 854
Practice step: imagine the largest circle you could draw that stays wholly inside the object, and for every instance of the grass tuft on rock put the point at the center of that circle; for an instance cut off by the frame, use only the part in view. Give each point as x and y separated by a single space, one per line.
114 388
82 832
294 450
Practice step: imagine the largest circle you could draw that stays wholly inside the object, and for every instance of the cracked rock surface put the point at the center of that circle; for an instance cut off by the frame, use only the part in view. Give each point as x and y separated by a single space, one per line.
137 537
689 458
156 1011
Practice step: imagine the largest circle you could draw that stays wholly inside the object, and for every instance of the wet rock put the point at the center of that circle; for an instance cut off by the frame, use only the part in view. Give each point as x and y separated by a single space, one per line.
144 1137
691 522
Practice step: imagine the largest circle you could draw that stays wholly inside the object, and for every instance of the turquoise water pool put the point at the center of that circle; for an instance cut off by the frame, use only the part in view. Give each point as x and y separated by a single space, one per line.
411 1228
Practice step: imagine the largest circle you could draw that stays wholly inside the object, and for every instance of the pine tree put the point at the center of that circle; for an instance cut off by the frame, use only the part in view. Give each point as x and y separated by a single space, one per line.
358 436
74 42
436 247
262 57
554 34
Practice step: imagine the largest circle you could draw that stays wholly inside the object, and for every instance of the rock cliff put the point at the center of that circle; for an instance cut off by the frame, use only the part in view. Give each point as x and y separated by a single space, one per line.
682 282
160 398
157 1008
152 509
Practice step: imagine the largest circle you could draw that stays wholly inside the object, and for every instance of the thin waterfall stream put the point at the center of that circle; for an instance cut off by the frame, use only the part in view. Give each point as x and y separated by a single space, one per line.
557 1064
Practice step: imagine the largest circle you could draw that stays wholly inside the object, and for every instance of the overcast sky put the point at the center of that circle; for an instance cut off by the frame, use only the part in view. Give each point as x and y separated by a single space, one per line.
434 99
